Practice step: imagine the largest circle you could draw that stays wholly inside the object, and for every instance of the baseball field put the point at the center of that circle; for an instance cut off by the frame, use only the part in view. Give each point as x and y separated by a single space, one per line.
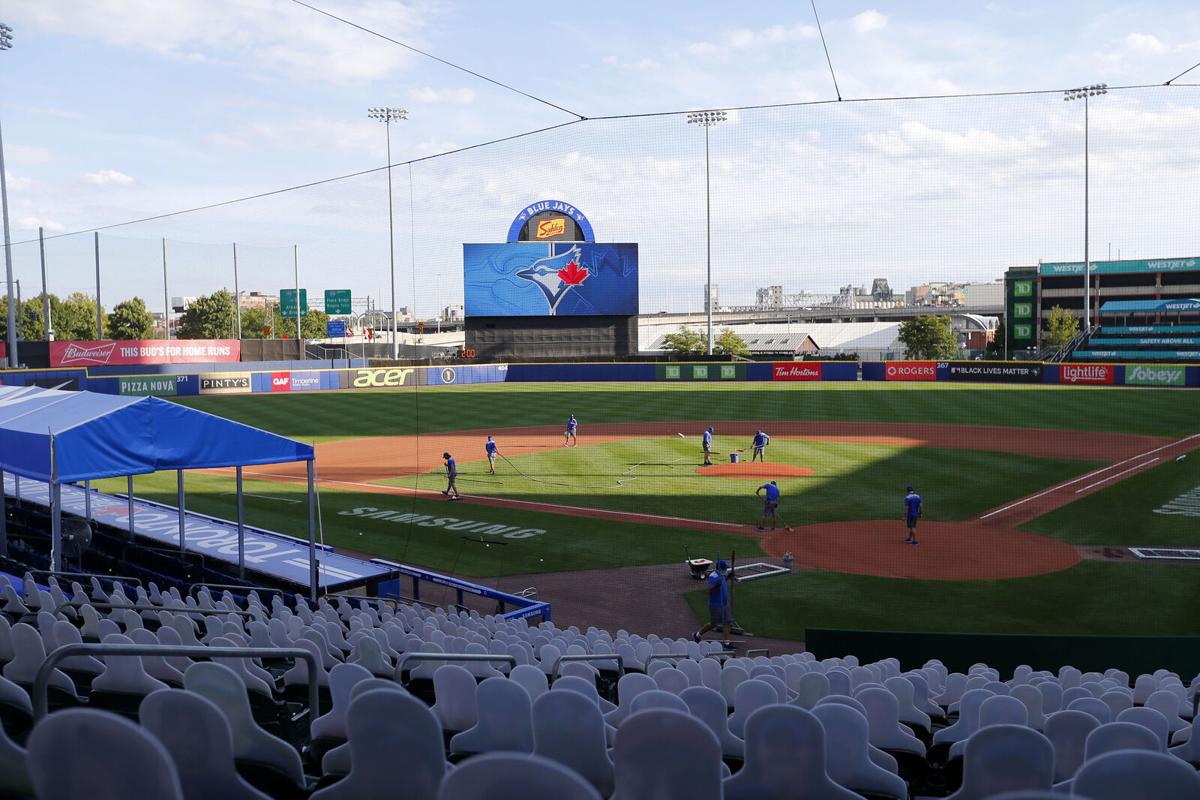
1032 496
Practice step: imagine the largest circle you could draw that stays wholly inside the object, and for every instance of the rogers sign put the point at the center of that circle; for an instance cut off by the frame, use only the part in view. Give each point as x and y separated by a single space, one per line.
793 371
911 371
143 351
1086 373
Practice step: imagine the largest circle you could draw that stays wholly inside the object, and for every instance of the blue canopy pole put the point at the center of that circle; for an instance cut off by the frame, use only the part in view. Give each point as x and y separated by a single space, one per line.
3 517
312 532
55 512
241 526
87 500
182 525
129 499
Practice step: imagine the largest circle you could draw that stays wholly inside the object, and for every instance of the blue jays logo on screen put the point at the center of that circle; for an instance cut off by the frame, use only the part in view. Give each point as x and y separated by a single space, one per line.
527 279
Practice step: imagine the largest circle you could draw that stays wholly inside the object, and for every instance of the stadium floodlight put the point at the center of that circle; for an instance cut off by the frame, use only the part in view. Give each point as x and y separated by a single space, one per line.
6 40
387 115
707 119
1083 93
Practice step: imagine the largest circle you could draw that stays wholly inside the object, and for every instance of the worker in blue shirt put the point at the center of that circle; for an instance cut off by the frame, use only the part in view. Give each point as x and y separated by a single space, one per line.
490 447
451 477
770 503
761 440
719 612
706 446
569 434
912 510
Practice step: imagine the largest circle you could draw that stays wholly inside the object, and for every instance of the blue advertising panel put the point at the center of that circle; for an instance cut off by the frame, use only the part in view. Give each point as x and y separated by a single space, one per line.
335 328
307 381
528 279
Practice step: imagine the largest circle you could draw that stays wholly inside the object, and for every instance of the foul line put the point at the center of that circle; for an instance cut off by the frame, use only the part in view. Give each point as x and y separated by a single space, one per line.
261 496
1119 474
1092 474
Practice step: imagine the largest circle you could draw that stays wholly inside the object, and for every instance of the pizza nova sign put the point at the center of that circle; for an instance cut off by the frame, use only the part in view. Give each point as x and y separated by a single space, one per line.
449 523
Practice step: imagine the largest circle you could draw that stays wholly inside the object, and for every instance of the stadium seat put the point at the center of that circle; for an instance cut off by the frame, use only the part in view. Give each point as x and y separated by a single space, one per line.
1052 696
847 758
883 718
996 710
1118 701
630 685
1067 732
454 691
14 772
671 680
810 688
532 679
785 758
1189 747
329 730
1169 705
667 755
1113 736
198 739
505 720
1005 758
568 729
708 706
1091 705
1126 774
28 654
504 776
1149 719
657 698
1031 698
86 753
395 741
267 761
749 696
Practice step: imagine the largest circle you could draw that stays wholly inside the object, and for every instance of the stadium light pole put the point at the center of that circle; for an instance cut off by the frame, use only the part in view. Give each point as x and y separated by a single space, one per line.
387 115
1083 93
707 119
6 40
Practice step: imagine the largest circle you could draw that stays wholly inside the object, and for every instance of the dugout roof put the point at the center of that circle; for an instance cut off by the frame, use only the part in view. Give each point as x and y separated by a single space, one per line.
105 436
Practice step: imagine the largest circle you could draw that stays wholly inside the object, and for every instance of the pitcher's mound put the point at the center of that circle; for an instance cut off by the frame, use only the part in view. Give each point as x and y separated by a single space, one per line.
757 470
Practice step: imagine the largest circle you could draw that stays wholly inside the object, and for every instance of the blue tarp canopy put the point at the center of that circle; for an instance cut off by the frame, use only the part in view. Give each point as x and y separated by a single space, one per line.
1187 305
106 436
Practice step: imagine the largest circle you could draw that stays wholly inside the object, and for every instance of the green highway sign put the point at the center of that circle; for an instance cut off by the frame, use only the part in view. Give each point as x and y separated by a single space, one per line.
287 303
337 301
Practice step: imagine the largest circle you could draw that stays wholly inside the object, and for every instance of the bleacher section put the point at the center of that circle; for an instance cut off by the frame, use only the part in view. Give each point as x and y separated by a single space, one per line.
432 703
1178 342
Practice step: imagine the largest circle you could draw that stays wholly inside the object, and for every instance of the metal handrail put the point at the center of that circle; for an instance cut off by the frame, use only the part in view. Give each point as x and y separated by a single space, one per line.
216 612
405 658
53 573
665 657
762 651
395 601
592 657
42 681
245 588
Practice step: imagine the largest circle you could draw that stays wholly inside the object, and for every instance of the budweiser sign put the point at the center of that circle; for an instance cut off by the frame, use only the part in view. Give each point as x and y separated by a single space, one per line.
793 371
911 371
82 354
1086 373
144 351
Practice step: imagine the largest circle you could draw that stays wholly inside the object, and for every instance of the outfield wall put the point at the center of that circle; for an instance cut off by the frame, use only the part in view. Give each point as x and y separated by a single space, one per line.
286 379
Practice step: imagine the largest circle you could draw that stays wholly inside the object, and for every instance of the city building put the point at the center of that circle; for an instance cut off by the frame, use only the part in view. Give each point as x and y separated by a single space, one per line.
712 300
769 297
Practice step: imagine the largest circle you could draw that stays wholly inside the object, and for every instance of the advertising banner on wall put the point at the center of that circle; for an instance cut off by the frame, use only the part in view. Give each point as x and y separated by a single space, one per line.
1089 374
281 381
305 381
150 386
383 377
143 351
796 371
993 371
224 382
1155 375
701 372
910 371
528 279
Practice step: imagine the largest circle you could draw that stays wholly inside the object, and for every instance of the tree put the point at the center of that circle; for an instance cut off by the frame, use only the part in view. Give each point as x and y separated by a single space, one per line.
1063 327
130 320
686 341
253 320
74 318
730 344
928 338
208 317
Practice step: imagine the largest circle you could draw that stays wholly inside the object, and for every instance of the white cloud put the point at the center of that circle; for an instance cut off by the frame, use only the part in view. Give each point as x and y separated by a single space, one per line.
269 36
920 140
703 49
447 97
776 34
50 112
868 21
33 223
108 177
15 182
1146 43
24 154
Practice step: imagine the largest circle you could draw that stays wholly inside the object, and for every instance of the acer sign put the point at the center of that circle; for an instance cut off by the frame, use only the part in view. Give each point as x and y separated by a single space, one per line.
281 381
796 371
143 351
1092 374
910 371
383 378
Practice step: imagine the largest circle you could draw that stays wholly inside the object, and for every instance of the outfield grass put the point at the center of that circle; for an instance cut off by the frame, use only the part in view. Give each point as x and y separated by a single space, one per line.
1123 513
852 481
567 543
405 411
1094 597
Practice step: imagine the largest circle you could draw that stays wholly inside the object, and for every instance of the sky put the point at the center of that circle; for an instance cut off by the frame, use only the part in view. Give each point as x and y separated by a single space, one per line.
115 110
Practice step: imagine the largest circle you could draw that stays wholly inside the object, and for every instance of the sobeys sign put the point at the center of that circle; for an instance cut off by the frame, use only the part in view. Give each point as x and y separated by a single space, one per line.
1155 375
156 386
